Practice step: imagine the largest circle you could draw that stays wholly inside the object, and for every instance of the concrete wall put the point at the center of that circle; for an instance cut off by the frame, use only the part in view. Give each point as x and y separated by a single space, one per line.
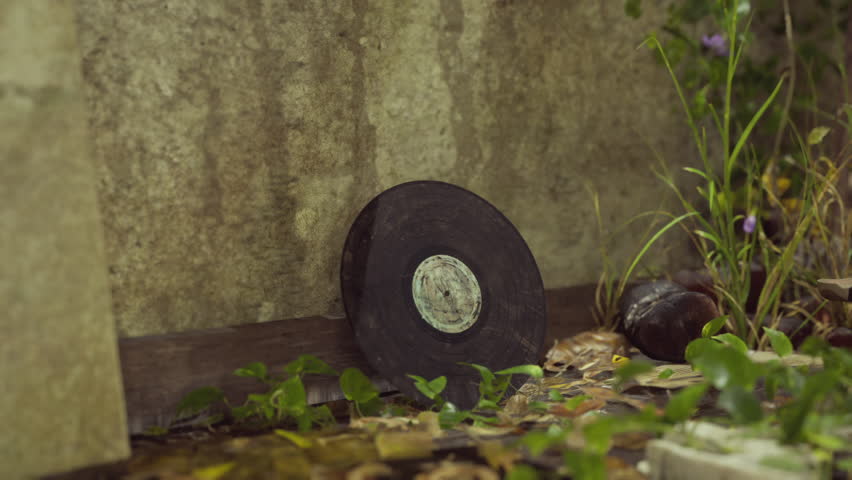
238 140
61 405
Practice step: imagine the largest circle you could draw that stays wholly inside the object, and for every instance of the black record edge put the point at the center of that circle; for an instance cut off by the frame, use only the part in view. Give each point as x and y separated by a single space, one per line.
408 387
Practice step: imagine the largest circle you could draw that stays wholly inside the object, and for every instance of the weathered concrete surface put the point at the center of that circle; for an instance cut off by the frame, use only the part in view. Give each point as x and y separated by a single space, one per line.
238 140
62 403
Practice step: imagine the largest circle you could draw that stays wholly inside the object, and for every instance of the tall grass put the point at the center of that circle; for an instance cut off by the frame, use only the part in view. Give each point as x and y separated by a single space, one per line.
712 224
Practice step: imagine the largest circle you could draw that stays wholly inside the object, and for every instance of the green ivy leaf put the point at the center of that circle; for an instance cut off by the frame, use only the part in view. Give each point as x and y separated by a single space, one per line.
431 389
794 414
537 441
321 415
253 370
780 462
826 441
723 366
309 364
293 397
450 416
817 135
242 412
554 395
683 404
598 435
696 348
743 406
198 400
356 386
371 407
732 340
575 402
485 372
630 370
522 472
485 404
667 373
845 464
585 465
532 370
713 326
780 343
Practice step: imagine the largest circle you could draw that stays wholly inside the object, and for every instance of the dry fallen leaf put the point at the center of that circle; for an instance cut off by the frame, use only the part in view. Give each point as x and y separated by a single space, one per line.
682 375
382 422
517 404
631 440
609 395
404 445
428 422
450 470
369 471
498 455
585 349
618 469
587 406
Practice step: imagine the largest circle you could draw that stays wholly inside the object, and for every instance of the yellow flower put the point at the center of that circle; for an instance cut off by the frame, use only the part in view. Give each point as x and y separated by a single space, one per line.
618 359
782 185
791 204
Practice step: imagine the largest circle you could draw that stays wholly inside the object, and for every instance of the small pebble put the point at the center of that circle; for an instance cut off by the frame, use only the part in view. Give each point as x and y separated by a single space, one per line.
840 337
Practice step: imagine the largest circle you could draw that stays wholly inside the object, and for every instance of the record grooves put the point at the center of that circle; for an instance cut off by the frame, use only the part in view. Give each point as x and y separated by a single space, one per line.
433 275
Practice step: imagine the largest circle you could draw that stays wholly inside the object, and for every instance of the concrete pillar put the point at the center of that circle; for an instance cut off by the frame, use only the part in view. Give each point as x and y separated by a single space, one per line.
61 405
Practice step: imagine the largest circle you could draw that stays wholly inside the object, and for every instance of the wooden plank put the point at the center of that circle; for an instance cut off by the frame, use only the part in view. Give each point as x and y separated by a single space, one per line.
159 370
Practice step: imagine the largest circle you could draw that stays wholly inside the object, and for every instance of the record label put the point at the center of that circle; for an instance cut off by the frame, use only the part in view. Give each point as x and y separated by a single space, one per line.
446 293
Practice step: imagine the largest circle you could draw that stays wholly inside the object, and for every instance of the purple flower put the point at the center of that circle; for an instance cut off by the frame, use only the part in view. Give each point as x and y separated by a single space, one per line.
716 44
749 223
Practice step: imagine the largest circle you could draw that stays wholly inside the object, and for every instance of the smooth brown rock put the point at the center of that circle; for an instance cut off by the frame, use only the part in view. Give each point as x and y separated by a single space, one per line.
695 281
660 319
840 337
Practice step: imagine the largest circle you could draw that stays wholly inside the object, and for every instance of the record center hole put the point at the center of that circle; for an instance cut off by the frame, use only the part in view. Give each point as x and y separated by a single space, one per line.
446 293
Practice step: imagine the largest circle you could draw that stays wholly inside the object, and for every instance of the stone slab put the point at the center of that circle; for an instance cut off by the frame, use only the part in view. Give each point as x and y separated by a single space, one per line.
61 405
704 451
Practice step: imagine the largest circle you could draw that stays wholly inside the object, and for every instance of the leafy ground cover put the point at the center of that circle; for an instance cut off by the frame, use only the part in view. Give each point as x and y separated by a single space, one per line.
590 412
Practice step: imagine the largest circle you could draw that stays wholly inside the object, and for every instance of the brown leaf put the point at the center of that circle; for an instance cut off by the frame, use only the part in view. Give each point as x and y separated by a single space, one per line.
584 348
610 395
682 376
498 455
618 469
369 471
517 404
449 470
631 440
586 406
404 445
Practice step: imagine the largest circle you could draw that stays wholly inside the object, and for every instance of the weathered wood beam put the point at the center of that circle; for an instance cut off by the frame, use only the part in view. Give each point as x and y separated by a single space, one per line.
159 370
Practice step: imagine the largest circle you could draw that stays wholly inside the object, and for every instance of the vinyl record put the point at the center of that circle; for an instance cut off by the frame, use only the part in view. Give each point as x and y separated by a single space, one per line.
433 275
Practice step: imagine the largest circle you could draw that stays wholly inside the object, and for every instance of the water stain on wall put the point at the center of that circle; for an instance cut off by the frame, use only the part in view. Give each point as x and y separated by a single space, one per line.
236 142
